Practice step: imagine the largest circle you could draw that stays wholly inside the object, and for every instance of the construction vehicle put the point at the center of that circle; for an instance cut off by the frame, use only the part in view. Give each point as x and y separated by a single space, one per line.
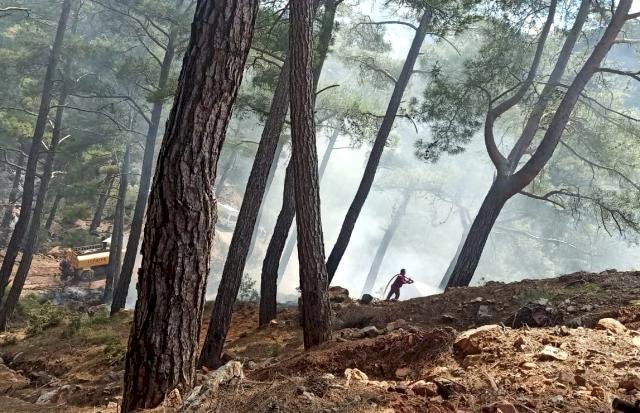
86 262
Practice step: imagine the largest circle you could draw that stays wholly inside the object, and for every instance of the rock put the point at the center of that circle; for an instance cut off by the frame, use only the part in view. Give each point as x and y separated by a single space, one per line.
469 341
40 378
424 388
636 341
227 356
173 400
501 407
572 309
528 365
11 380
251 365
57 395
611 324
370 331
484 314
448 388
557 399
230 373
532 315
553 353
394 325
598 392
366 299
477 300
16 358
580 380
273 323
567 378
519 343
328 376
403 372
448 318
541 301
354 375
338 295
100 309
631 381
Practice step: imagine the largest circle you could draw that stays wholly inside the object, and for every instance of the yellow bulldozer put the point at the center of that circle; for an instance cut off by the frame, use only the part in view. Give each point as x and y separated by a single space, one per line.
86 262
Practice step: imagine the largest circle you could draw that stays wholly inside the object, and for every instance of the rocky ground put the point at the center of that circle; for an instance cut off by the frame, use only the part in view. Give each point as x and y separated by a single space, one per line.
567 344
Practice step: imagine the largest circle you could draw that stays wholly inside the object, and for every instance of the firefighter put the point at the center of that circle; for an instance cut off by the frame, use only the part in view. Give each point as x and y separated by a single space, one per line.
400 280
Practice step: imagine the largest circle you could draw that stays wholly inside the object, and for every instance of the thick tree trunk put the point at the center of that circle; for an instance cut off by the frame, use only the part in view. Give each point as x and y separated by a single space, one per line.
13 197
28 191
272 173
162 354
31 238
313 273
137 221
376 151
102 202
272 260
398 213
117 232
293 238
475 241
240 243
512 184
53 211
466 226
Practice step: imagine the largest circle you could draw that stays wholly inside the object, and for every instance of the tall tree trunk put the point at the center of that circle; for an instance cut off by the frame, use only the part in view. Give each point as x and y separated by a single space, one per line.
241 240
53 211
509 185
376 151
398 213
272 173
13 197
36 144
102 202
313 273
293 238
137 221
162 353
466 226
271 262
117 233
31 238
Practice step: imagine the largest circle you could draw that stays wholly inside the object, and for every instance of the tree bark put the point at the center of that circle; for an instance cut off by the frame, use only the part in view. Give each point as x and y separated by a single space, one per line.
241 240
378 147
28 191
513 184
313 273
466 226
162 353
272 260
117 232
53 211
292 240
398 213
272 173
13 197
475 241
102 202
137 221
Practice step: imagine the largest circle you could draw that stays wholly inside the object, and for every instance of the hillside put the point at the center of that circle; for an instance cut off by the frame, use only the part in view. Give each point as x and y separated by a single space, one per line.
543 349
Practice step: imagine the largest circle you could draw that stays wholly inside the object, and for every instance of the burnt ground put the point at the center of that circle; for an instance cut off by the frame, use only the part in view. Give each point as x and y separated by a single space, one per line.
74 362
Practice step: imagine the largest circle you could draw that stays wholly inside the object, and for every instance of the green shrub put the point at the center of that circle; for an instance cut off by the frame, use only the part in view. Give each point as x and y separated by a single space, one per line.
71 213
78 237
39 314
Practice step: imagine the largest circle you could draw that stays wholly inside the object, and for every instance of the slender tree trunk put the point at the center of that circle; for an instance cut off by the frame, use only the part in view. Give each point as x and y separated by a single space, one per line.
102 202
13 197
313 273
466 226
272 173
53 211
28 191
271 262
240 243
293 238
376 151
513 184
31 238
137 221
398 213
117 233
162 354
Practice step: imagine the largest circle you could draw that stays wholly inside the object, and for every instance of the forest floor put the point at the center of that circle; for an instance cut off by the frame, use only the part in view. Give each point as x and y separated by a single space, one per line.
543 347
